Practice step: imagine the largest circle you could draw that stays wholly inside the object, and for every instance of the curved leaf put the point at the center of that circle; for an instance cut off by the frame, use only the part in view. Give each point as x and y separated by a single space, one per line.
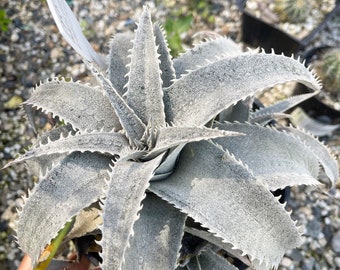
76 104
300 118
69 27
278 107
62 193
168 164
131 123
268 118
320 151
211 187
197 97
41 165
201 54
120 45
274 157
157 236
170 137
128 183
166 65
145 94
103 142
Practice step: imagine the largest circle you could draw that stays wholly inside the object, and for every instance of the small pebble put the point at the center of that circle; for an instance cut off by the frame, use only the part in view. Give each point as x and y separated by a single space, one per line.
308 264
296 255
337 261
286 262
335 243
14 37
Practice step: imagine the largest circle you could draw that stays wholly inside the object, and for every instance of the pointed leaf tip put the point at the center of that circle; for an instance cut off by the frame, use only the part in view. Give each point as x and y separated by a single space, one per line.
128 183
69 27
216 86
132 124
145 94
70 101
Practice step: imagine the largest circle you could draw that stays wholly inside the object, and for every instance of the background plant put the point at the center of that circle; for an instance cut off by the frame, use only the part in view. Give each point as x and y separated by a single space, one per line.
293 11
328 68
4 20
181 19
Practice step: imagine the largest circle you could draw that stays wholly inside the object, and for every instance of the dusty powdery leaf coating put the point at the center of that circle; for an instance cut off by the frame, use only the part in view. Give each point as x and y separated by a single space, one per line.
242 198
124 136
145 94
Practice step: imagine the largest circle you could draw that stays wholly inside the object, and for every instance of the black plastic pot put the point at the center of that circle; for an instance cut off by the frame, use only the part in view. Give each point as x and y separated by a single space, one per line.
258 33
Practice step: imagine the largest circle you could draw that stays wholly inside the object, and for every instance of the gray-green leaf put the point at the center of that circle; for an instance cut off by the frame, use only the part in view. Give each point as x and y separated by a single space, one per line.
145 94
264 150
61 194
201 54
300 119
70 28
118 60
170 137
211 187
128 183
166 65
218 85
157 236
320 152
76 104
104 142
131 123
278 107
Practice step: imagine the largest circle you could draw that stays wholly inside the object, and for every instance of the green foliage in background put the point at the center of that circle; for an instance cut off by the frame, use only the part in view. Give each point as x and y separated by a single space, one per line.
203 7
174 27
4 21
181 19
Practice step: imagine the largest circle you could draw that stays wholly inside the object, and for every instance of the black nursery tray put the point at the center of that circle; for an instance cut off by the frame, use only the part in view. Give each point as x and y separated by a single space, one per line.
258 33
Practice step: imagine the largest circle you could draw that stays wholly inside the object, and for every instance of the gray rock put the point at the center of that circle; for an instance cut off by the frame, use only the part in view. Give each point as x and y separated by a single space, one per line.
286 262
335 243
314 228
337 261
327 232
308 264
296 255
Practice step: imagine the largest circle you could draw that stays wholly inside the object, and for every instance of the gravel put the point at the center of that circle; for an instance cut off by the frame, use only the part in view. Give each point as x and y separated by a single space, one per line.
272 12
32 50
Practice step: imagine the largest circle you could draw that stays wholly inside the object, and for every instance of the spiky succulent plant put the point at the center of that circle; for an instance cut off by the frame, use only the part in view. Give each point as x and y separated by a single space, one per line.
148 139
328 69
294 11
